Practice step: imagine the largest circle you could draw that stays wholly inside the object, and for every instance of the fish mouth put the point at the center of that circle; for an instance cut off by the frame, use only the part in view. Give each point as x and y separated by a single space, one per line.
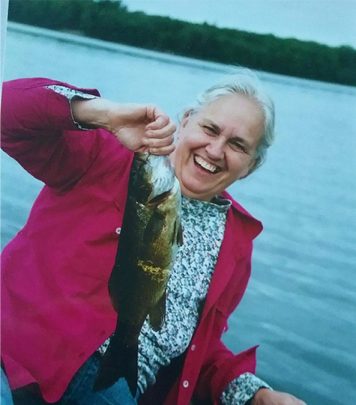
158 180
205 165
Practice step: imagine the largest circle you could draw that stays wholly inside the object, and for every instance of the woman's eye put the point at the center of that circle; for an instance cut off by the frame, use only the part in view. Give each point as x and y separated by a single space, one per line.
209 130
238 147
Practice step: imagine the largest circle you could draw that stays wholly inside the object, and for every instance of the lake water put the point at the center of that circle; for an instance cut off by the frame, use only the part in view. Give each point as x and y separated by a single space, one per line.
301 302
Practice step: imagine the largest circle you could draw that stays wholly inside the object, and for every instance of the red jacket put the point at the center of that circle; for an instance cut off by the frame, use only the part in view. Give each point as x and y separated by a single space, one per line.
56 309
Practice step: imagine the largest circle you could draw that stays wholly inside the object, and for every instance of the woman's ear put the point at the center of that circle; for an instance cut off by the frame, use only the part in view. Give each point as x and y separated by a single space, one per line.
186 117
252 167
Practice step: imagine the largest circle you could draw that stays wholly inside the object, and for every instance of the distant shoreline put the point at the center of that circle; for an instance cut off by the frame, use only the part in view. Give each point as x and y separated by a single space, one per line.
169 58
110 21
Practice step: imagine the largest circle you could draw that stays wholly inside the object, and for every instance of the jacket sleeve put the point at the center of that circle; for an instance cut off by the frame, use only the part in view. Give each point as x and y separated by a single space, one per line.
38 131
221 368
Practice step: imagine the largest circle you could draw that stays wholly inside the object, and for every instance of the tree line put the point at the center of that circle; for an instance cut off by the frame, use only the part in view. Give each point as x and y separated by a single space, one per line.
110 20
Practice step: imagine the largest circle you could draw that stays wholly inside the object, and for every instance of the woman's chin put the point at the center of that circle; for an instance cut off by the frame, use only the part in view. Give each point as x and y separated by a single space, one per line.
197 193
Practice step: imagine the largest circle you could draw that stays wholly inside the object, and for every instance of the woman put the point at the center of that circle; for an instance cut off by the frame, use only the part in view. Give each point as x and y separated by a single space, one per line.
57 313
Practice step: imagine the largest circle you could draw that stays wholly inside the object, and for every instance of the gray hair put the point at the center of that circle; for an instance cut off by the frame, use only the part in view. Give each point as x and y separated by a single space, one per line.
245 82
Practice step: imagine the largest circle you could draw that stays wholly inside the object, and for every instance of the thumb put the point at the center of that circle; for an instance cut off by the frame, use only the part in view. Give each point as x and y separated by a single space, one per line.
158 119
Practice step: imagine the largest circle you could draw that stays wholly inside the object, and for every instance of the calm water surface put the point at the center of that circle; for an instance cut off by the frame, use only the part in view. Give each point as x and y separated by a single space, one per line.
300 304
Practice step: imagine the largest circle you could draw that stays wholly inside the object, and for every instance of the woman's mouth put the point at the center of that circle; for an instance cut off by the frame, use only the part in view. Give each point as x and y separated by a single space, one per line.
209 167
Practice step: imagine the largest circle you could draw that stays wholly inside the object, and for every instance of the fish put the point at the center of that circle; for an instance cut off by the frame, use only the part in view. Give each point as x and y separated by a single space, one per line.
150 236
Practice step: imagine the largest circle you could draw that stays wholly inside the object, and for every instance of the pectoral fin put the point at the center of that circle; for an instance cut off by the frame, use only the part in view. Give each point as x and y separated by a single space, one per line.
154 228
180 235
157 314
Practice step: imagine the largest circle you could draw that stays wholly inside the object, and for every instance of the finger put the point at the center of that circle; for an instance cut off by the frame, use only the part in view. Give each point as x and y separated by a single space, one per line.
157 142
143 149
166 150
159 122
158 119
164 132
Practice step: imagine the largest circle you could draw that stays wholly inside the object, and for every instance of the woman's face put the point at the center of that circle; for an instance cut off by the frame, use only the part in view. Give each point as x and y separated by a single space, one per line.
217 145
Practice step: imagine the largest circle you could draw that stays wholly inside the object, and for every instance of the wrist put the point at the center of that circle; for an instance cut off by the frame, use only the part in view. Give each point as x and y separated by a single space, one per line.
92 113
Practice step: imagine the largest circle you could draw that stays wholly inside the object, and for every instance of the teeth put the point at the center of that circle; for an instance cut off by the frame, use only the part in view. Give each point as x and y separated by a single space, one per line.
207 166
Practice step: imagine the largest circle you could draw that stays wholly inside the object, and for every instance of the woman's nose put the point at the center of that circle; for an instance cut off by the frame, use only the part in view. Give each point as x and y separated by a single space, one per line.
216 148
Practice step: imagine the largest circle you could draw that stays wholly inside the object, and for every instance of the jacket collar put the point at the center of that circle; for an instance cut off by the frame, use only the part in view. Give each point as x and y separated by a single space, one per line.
253 226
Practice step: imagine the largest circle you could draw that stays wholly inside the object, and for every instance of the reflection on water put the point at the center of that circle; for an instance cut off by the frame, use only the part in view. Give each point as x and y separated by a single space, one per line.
301 301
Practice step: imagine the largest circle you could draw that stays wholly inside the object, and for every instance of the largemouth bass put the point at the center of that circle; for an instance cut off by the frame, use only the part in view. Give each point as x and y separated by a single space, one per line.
150 235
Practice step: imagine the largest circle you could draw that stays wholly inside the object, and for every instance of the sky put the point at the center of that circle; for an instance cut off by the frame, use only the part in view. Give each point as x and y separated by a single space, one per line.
330 22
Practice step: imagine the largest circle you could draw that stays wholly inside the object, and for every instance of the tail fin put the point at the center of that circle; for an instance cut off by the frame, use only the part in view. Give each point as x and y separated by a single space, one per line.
119 360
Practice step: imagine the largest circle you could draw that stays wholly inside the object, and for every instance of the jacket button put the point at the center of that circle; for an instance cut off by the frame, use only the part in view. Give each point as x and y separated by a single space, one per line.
193 347
185 383
118 231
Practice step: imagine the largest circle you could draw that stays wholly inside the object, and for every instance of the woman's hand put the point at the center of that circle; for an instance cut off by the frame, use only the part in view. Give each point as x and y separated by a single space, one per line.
268 397
141 128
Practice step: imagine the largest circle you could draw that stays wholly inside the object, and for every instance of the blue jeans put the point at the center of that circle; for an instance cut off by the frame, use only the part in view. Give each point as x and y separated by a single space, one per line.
80 390
5 397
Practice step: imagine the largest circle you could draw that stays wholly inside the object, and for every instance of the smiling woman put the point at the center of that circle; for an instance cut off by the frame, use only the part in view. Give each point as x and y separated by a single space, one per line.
224 138
69 317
